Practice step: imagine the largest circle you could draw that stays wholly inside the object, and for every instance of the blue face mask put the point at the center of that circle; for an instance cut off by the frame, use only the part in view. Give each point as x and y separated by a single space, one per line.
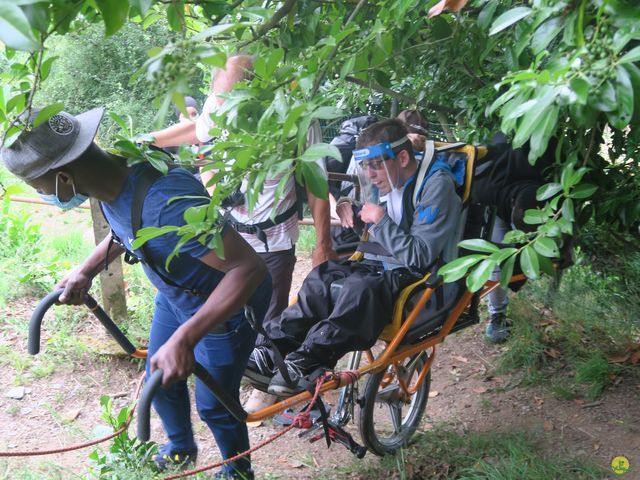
53 199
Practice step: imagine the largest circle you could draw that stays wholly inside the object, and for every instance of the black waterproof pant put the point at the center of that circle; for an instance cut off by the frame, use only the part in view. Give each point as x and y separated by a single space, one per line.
319 331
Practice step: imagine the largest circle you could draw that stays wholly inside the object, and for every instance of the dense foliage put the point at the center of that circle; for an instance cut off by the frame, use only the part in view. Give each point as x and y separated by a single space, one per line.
533 69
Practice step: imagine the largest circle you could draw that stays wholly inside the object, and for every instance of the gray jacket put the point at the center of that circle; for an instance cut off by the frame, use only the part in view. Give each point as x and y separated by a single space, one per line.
429 231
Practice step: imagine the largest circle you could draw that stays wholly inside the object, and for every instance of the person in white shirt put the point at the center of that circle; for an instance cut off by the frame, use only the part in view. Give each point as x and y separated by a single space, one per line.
273 241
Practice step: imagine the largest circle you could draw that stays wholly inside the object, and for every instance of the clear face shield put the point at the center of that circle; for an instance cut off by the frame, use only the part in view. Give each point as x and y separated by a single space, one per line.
378 170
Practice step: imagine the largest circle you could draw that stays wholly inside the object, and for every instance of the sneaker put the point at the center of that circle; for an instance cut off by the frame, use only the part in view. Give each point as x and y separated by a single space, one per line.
259 400
235 475
301 375
167 457
260 368
497 330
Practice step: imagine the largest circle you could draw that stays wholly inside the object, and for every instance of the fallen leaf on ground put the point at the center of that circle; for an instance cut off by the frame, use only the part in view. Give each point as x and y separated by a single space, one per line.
538 401
480 390
433 393
460 359
552 352
547 425
70 415
621 358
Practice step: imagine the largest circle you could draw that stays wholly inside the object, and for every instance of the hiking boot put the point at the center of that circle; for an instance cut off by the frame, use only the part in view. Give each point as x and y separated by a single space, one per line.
234 475
259 400
167 457
497 330
260 368
301 373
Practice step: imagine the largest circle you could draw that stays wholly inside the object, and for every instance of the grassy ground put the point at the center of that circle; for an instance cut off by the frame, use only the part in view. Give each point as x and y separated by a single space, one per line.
444 453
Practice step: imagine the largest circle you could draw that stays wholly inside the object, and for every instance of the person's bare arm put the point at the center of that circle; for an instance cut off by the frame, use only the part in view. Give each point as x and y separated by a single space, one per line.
244 272
183 133
78 282
322 220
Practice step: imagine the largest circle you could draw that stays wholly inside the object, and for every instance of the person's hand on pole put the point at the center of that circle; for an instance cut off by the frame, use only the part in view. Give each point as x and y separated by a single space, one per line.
175 358
76 286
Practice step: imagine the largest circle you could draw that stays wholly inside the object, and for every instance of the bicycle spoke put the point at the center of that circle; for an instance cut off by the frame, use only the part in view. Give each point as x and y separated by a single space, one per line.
395 412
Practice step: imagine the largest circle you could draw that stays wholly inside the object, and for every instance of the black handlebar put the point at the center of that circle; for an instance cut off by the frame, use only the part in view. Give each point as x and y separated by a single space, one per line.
45 304
154 381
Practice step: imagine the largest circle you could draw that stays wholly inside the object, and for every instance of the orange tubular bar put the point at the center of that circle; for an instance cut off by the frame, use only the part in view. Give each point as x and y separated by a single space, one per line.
390 355
140 353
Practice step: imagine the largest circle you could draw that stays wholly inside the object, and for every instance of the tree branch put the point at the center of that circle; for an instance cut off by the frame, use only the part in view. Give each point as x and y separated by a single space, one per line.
323 72
272 23
400 96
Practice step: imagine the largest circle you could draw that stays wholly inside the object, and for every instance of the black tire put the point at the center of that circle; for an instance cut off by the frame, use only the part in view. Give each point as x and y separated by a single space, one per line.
382 406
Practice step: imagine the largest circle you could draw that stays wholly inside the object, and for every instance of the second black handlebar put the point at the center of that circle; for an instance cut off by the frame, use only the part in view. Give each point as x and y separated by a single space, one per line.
35 324
153 383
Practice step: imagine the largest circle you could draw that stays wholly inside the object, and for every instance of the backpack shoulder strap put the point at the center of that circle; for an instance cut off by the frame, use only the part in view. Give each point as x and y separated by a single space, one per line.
146 180
425 164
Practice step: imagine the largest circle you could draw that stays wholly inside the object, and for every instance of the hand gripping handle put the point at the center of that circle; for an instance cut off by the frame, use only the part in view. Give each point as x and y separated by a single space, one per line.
45 304
154 381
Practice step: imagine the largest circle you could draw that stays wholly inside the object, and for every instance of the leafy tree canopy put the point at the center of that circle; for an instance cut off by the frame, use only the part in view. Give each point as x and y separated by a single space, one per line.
534 69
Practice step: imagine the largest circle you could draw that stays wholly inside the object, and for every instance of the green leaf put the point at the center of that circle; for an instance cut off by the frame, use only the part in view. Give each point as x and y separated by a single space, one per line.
142 6
317 151
567 210
457 269
478 277
45 68
503 254
478 245
195 214
631 56
47 112
119 121
534 216
621 116
327 113
514 236
581 88
584 190
548 191
546 265
508 18
532 119
315 179
486 15
147 233
545 33
347 67
541 135
529 262
605 98
114 14
506 271
15 30
546 247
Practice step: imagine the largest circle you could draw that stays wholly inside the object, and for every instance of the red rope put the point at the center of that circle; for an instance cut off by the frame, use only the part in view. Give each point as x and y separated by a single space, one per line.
79 446
301 420
298 421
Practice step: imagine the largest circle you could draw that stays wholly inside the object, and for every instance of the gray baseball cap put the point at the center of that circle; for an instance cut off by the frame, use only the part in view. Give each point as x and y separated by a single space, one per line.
52 144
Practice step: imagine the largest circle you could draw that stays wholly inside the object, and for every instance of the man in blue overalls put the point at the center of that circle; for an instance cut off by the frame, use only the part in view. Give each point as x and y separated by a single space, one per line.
199 313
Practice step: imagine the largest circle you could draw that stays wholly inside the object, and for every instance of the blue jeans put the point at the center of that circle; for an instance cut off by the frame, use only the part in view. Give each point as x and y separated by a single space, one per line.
498 300
225 358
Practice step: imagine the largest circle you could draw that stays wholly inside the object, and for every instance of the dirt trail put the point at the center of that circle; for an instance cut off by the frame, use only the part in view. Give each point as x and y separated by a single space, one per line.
63 408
